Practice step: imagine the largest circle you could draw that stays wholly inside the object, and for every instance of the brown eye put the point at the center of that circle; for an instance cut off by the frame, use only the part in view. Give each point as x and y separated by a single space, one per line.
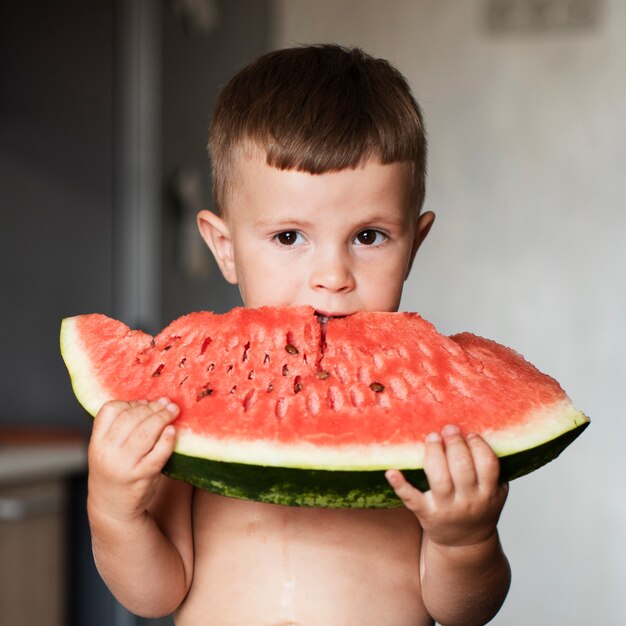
288 238
369 237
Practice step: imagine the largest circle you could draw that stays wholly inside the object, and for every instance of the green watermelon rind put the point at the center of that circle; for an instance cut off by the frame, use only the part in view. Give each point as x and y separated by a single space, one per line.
335 488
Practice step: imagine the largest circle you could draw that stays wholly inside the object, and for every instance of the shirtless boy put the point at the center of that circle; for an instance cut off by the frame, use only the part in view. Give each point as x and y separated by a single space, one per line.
318 167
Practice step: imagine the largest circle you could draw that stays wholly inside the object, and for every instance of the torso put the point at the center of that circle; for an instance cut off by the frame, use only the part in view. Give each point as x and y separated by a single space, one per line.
267 565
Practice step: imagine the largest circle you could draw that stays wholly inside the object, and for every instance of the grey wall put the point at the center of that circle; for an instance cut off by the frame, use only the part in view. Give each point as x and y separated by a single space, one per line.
527 159
196 64
56 194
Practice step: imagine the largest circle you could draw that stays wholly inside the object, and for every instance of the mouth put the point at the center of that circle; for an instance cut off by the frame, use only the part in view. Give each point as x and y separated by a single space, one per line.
324 317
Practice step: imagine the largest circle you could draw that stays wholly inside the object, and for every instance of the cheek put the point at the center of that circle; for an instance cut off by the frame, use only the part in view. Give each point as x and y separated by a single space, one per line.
263 284
387 298
384 283
390 268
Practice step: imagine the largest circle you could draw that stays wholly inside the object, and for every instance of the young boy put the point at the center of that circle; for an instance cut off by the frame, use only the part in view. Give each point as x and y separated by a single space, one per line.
318 167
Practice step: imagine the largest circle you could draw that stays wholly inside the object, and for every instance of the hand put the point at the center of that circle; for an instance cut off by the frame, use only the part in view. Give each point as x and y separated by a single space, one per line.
130 444
465 498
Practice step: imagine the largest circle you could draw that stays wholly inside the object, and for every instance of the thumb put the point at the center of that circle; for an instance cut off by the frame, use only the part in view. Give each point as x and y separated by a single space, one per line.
411 497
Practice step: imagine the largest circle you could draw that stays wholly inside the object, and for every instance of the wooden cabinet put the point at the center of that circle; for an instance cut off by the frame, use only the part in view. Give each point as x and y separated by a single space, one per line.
32 545
35 471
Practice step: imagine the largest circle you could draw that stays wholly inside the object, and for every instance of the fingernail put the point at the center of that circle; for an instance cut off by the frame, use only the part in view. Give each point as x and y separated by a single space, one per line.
451 429
393 477
433 438
164 401
170 431
172 408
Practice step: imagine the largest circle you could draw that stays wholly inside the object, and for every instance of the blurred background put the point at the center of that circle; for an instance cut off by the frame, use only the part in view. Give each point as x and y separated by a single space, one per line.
104 108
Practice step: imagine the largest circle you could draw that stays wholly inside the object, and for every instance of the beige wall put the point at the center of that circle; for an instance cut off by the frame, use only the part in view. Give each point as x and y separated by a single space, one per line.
527 168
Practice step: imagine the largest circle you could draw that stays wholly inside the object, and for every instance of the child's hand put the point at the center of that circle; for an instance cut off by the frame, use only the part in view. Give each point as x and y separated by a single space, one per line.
465 498
130 444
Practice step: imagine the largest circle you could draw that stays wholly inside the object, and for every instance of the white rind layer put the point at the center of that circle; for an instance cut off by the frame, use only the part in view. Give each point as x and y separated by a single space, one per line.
87 389
538 428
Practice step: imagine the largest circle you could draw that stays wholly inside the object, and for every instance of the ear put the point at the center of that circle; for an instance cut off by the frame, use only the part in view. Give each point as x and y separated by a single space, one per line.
422 228
216 234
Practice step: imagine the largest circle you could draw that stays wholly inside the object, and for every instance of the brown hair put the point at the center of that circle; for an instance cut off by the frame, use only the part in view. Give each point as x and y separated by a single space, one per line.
317 109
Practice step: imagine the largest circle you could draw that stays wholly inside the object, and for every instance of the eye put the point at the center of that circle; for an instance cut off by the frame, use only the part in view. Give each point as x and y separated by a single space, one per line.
370 237
289 238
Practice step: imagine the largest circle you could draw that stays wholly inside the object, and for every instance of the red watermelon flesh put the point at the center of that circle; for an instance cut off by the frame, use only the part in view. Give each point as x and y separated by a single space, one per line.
274 387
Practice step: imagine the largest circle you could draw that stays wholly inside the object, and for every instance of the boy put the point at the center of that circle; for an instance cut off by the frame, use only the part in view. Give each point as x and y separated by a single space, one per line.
318 160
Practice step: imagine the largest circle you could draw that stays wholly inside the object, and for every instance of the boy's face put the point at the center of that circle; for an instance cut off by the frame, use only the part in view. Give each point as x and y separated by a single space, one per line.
340 242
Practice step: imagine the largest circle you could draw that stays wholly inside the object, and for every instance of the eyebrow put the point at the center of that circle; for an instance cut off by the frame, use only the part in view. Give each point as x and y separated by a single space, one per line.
278 220
381 218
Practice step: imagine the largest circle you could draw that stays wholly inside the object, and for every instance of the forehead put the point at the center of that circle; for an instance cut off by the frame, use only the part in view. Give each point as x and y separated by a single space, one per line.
370 186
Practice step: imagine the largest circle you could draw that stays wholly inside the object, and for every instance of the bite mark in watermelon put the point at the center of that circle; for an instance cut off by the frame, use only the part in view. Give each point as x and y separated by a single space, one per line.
279 408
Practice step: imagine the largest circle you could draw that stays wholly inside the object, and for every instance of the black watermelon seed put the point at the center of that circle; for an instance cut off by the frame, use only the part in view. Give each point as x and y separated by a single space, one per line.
377 387
291 349
204 392
322 374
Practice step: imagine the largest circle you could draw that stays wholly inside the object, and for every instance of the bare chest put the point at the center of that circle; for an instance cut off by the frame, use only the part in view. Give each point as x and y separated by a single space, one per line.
270 565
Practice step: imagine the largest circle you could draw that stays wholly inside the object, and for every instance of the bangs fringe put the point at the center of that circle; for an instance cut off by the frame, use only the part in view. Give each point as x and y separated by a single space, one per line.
318 109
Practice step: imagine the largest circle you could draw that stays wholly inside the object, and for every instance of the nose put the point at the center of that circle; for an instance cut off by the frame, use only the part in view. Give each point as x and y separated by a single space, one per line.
332 272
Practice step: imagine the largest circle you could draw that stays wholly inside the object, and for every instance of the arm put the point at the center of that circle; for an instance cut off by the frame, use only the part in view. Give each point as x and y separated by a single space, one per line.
140 520
464 584
465 574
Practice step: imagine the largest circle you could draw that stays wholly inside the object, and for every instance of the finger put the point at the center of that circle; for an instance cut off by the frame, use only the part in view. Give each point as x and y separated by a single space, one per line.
436 466
411 497
145 434
135 403
135 411
134 416
122 418
157 457
107 416
460 459
486 463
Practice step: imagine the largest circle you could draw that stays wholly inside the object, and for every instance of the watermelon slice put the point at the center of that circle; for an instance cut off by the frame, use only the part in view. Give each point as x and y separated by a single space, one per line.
280 406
